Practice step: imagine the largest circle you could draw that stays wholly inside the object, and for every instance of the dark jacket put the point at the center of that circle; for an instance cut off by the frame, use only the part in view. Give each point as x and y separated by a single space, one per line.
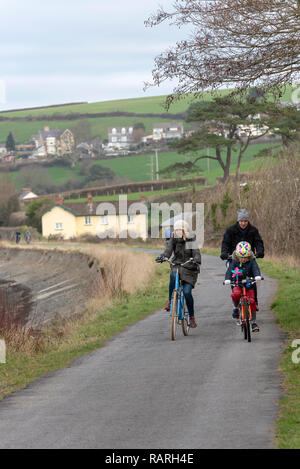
234 235
190 271
249 269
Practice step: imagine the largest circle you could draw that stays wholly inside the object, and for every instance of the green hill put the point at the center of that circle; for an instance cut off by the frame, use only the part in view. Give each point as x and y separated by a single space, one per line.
23 130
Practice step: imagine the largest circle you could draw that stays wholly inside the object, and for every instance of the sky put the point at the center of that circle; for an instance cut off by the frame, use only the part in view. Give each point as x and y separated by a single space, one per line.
79 50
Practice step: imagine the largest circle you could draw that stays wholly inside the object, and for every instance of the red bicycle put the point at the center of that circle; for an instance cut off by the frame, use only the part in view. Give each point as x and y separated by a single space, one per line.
244 306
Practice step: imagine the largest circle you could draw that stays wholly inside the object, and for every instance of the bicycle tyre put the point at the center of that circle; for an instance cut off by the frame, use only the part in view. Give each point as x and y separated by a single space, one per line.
248 326
174 315
185 322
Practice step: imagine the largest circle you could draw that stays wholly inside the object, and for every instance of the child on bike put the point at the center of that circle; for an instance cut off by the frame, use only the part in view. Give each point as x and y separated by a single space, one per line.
177 245
243 266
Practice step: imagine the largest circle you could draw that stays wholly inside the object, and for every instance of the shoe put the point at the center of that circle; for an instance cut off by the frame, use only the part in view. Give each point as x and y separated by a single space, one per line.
168 306
193 323
235 314
255 327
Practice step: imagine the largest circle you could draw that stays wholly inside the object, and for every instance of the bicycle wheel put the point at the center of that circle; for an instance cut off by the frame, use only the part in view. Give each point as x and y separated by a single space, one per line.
185 322
174 315
248 327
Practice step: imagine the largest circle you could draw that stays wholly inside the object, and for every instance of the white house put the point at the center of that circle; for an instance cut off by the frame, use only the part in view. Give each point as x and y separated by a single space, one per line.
120 137
3 151
167 131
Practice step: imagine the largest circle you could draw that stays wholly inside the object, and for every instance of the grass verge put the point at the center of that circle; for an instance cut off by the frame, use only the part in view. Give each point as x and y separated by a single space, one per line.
286 307
76 337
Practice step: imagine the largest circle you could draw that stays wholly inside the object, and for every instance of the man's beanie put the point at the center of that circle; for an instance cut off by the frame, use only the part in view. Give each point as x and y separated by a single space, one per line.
243 214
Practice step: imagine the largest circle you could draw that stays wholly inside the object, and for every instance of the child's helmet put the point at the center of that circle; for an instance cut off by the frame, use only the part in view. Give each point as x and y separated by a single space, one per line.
243 249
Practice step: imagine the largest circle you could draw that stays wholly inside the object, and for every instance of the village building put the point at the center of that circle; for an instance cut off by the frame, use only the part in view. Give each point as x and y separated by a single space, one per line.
167 131
53 142
121 137
27 194
105 220
3 150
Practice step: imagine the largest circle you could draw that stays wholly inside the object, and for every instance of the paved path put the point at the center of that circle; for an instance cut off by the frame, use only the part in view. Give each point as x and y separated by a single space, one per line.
141 390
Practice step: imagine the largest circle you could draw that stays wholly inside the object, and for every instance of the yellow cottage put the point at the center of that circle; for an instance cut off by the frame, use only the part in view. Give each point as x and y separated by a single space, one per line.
110 219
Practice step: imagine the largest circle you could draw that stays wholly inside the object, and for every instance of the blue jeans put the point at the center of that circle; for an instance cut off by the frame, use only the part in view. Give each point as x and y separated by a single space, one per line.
187 291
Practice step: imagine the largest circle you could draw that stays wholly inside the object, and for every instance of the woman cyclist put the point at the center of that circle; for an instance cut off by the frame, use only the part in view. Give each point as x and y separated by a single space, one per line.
182 253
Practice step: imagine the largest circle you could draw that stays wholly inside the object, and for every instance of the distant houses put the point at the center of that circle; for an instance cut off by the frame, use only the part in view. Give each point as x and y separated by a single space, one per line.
125 137
53 142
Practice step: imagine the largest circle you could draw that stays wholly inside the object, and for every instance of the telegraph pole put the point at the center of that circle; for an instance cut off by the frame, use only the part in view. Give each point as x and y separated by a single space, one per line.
157 167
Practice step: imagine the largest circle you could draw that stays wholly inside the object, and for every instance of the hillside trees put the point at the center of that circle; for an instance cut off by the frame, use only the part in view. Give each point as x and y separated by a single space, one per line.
10 142
9 202
226 125
240 43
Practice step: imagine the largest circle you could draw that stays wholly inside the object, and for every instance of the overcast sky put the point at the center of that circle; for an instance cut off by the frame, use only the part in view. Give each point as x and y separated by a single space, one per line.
78 50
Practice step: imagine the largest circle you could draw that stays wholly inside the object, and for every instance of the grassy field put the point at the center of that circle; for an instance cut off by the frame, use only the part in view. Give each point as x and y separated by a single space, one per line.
137 168
151 104
98 126
286 308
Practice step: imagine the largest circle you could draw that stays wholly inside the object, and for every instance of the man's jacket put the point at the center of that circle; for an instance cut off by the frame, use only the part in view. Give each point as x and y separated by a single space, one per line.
234 235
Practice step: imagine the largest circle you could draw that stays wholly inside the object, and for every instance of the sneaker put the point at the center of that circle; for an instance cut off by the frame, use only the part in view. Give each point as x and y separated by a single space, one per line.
235 314
168 306
193 323
255 327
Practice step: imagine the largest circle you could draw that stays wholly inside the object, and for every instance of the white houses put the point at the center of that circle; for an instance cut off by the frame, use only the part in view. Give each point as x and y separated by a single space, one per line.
167 131
120 137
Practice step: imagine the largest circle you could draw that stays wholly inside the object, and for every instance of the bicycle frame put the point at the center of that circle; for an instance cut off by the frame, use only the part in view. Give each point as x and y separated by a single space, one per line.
244 301
180 312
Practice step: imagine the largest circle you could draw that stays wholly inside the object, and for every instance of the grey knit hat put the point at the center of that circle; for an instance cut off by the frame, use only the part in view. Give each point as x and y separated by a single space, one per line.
243 214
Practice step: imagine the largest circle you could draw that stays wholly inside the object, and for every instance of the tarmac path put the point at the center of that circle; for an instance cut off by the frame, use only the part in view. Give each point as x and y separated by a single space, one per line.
211 389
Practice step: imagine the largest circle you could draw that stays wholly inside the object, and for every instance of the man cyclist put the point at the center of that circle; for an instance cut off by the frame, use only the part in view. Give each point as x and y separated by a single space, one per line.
242 230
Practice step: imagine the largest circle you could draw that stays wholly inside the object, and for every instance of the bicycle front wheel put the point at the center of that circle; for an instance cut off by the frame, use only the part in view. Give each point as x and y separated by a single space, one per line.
185 322
174 315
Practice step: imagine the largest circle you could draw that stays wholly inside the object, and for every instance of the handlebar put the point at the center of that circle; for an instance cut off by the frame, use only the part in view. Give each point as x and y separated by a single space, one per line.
165 259
244 281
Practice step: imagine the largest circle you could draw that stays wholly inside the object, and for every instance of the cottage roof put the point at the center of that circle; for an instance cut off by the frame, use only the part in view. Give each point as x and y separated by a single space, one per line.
81 209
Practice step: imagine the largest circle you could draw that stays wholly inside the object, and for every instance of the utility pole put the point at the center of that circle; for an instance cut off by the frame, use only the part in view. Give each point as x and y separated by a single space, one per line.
208 160
152 167
157 168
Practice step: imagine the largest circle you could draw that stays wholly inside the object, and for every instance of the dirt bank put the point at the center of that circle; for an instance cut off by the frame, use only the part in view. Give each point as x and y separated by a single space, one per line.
40 285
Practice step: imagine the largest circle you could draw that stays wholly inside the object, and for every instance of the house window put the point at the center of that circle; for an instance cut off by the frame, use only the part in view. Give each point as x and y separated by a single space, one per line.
130 219
87 221
123 131
59 226
114 131
104 220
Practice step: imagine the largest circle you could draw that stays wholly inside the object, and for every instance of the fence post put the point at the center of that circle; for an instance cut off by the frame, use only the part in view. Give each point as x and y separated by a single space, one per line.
2 351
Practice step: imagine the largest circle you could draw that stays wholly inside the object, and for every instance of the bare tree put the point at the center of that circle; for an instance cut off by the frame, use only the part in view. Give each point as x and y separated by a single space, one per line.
238 43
